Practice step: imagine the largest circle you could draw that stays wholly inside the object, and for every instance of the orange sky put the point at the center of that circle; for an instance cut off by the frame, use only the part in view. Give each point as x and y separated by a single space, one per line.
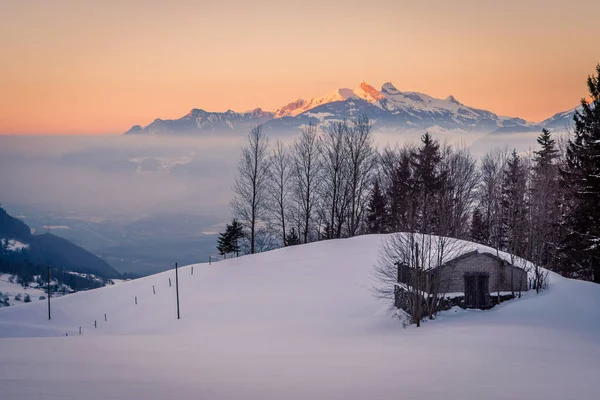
100 67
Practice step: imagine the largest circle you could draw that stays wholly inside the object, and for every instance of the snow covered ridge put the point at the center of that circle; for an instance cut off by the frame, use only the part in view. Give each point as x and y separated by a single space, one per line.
294 284
13 245
389 108
297 323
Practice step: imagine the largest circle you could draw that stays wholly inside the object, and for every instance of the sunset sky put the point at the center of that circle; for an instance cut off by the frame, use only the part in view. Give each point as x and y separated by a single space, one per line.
83 67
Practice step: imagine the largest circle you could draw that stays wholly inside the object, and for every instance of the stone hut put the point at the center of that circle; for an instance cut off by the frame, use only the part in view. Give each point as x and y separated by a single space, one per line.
474 274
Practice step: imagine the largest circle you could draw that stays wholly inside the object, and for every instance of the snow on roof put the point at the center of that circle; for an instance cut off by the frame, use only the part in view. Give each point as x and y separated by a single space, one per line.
440 250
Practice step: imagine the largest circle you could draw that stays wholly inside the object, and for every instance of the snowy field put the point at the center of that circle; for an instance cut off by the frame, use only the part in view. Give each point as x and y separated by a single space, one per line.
296 323
16 293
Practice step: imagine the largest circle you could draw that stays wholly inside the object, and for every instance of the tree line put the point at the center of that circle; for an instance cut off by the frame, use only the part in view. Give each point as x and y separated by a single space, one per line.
332 182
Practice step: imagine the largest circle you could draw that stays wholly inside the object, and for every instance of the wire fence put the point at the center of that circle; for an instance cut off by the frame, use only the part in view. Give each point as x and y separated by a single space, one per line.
105 317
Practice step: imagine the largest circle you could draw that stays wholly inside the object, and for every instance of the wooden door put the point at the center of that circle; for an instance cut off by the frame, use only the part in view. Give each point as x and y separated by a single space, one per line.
470 291
482 290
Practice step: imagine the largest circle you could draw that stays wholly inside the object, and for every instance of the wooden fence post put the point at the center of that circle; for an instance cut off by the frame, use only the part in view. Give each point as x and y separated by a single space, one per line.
49 317
177 290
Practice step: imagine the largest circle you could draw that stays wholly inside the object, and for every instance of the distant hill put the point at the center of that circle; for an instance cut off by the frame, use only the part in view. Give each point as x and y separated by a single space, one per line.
13 228
52 250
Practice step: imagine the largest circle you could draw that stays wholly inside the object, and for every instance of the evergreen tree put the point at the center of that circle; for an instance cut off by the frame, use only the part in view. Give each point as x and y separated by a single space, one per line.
544 213
479 231
376 210
223 244
229 241
400 194
236 234
427 181
326 232
514 186
548 153
292 237
580 248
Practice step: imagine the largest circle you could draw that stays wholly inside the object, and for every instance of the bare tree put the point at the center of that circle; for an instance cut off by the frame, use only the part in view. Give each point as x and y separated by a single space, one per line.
334 188
362 159
490 200
413 270
536 229
305 176
279 188
387 161
250 188
459 190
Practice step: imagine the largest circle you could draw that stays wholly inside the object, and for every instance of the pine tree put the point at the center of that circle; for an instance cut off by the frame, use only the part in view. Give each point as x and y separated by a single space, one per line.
544 213
479 231
376 210
580 248
399 194
326 232
229 241
547 153
428 181
513 203
236 235
292 238
223 244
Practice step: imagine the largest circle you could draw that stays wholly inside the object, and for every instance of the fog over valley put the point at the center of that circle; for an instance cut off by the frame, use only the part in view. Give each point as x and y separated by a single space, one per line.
145 202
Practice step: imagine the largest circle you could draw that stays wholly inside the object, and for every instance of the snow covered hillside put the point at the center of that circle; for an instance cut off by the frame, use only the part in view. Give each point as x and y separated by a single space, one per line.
296 323
13 293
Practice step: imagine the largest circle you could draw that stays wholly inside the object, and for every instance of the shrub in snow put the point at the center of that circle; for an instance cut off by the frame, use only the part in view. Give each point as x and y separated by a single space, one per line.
4 300
27 299
42 297
23 281
18 297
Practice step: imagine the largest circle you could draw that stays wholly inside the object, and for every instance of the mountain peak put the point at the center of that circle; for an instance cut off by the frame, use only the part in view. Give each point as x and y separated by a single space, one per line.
194 112
452 99
389 88
368 92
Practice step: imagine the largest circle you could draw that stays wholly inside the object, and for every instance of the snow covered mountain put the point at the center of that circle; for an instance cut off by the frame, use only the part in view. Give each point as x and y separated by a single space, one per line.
296 323
561 120
203 121
389 108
